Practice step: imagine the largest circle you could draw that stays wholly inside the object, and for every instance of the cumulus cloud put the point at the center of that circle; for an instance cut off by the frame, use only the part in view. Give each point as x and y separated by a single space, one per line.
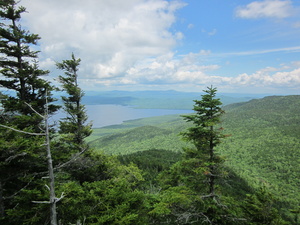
109 36
168 70
266 78
190 71
266 8
130 43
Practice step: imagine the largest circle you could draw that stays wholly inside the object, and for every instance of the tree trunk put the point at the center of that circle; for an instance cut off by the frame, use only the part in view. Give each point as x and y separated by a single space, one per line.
211 166
52 199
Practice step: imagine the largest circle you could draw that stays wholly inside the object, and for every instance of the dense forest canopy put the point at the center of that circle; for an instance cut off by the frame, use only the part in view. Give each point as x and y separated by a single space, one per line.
207 167
263 148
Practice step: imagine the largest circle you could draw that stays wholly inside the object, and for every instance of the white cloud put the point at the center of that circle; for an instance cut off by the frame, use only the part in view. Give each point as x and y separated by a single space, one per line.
183 71
266 8
47 63
189 72
130 43
264 78
165 69
109 36
191 69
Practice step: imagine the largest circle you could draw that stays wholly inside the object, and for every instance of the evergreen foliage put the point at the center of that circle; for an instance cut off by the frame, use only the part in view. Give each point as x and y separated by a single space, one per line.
257 184
263 149
22 156
192 182
99 190
19 67
151 162
205 136
73 128
131 140
259 208
241 176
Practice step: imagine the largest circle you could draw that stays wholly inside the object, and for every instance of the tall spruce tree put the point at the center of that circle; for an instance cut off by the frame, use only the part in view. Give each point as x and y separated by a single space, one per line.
206 136
22 156
190 185
19 68
73 128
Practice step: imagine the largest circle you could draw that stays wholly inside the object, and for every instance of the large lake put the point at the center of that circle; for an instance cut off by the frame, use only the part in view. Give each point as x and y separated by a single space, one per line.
106 115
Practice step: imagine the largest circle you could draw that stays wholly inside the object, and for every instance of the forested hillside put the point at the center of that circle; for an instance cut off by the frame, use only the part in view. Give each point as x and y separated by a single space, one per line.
263 146
241 167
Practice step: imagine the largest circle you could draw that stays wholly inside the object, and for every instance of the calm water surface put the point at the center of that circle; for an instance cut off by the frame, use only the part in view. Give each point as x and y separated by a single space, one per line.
106 115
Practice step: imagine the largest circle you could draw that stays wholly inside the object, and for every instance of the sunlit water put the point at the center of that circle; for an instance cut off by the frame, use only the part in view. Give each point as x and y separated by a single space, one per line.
106 115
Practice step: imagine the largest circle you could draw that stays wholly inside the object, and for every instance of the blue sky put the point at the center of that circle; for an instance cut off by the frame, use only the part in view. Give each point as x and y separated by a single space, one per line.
239 46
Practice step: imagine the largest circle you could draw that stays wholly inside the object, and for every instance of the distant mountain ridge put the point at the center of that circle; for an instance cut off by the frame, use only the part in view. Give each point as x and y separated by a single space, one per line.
158 99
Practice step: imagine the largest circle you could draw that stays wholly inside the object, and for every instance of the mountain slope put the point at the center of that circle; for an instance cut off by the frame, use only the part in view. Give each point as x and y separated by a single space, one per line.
139 139
264 146
263 149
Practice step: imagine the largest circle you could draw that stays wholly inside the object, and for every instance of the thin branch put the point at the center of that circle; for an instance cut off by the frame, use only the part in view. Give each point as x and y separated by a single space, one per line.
41 129
207 196
60 198
48 202
24 132
41 202
34 110
9 159
16 193
47 187
72 159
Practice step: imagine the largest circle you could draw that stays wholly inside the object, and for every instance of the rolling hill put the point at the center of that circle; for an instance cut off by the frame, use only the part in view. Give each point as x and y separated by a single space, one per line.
263 149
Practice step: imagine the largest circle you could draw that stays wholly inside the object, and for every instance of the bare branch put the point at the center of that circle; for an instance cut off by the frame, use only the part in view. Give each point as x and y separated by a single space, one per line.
47 187
16 193
34 110
9 159
41 202
207 196
24 132
48 202
41 129
72 159
60 198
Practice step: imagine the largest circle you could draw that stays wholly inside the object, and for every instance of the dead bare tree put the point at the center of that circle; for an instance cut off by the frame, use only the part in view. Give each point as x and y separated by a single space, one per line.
52 197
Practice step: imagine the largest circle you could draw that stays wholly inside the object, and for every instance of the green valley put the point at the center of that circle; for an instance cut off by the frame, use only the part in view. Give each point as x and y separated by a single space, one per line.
263 146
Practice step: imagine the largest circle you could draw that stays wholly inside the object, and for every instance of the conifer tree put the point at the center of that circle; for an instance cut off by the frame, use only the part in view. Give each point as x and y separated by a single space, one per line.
192 182
73 128
19 68
205 136
22 156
